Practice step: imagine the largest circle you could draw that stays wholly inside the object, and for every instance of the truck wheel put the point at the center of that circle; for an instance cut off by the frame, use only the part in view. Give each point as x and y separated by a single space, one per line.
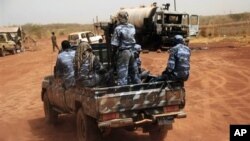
22 49
2 53
87 129
158 133
13 51
51 115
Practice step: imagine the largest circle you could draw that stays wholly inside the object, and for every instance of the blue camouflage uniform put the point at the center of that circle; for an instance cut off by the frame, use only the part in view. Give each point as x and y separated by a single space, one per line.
123 39
137 50
64 67
89 76
178 63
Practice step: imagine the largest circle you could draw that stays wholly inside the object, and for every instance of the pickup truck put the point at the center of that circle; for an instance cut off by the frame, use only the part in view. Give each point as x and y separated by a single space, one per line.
152 106
85 36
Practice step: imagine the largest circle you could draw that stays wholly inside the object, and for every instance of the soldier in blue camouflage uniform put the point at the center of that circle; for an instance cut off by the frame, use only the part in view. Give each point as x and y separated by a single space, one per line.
90 70
64 65
123 42
137 50
178 63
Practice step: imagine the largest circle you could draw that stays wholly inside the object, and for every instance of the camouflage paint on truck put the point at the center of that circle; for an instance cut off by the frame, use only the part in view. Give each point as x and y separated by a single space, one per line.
135 97
120 99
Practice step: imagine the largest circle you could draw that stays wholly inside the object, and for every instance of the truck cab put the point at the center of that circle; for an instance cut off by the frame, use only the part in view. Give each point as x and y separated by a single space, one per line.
169 24
194 25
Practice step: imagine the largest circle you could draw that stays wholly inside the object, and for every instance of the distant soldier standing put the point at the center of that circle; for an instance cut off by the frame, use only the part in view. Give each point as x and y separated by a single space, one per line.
54 42
123 41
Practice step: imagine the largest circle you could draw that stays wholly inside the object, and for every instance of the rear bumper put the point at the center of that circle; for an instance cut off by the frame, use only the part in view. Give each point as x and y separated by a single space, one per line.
116 123
129 121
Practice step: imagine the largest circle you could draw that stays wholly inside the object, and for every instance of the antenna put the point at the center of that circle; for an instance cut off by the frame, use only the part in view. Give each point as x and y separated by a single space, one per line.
94 30
96 26
174 5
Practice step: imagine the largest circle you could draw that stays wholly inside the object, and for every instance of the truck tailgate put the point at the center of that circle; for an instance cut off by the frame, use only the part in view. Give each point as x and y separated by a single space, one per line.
134 97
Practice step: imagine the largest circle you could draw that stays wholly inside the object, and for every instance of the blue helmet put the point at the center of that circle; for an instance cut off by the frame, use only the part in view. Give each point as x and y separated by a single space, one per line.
178 39
137 47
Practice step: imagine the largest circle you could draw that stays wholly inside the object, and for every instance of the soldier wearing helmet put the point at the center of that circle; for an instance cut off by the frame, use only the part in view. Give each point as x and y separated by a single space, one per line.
179 61
123 41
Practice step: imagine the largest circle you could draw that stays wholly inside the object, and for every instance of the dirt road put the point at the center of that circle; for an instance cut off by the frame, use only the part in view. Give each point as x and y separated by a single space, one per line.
218 94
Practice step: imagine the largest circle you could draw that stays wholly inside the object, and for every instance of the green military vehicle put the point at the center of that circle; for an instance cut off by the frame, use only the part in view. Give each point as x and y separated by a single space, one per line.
152 106
11 40
7 45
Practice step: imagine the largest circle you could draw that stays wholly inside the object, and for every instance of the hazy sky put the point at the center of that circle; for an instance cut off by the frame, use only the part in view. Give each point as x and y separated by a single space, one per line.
83 11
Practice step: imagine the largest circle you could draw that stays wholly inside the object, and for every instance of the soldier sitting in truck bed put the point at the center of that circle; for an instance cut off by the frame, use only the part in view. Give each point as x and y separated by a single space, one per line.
178 62
88 68
64 65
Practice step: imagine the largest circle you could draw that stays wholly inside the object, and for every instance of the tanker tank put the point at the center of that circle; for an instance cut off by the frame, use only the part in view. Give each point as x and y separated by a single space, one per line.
138 15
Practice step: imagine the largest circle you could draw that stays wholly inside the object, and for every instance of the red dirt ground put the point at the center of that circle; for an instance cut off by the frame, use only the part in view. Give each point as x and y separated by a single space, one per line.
218 94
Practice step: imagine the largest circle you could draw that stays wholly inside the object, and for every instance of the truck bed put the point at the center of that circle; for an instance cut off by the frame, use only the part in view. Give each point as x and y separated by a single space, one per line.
132 100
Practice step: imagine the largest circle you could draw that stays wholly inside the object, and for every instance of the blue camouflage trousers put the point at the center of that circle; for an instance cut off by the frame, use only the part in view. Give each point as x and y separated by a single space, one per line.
127 69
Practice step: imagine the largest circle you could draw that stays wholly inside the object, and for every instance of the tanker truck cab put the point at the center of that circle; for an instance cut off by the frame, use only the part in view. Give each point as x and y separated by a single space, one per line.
194 25
168 24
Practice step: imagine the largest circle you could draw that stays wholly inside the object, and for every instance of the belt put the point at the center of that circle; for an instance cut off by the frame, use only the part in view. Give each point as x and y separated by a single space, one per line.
124 49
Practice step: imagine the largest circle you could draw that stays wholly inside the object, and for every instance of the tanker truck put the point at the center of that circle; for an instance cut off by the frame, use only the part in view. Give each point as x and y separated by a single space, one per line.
157 26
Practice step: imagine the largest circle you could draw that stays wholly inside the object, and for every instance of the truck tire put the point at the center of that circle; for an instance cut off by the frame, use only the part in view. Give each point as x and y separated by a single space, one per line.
13 51
22 49
158 133
2 52
87 129
51 115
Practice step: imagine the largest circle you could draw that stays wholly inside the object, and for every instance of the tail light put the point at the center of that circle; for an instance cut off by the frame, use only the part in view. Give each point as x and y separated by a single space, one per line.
175 97
169 109
109 116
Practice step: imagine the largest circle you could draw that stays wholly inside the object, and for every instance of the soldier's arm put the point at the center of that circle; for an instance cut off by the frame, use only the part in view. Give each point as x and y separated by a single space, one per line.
115 38
171 61
98 66
59 68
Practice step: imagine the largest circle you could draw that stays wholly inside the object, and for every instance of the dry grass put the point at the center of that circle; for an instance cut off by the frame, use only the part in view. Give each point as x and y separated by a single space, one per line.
37 31
225 25
243 40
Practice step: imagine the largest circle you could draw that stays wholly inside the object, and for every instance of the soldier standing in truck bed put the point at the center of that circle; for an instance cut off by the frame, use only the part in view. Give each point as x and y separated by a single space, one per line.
123 42
54 42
